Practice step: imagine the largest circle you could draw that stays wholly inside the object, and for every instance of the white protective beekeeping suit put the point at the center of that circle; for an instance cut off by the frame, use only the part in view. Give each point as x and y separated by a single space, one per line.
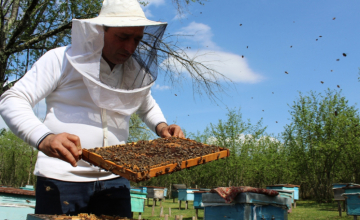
80 98
124 91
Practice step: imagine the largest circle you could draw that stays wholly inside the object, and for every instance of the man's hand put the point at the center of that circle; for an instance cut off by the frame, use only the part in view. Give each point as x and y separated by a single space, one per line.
64 146
164 130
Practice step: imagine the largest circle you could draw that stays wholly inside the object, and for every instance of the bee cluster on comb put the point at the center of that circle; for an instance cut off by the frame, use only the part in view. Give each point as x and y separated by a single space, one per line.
144 155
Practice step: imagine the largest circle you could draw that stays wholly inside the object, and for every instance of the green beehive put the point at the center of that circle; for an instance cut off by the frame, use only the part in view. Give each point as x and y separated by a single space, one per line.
137 201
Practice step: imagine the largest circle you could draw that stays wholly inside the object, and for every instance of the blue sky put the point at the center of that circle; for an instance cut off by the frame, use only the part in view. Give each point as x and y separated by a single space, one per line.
304 38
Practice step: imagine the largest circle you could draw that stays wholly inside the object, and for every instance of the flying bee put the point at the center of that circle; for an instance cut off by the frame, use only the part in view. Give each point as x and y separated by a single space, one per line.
286 72
344 54
322 82
66 202
48 188
337 59
338 86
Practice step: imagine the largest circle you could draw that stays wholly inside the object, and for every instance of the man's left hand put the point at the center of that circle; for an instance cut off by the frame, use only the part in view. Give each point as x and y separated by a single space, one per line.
164 130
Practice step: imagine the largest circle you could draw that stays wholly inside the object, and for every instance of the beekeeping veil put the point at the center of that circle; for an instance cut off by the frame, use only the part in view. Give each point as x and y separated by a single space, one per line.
137 74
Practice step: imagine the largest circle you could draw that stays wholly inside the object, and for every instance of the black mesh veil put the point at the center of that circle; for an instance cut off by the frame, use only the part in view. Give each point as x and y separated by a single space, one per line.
147 57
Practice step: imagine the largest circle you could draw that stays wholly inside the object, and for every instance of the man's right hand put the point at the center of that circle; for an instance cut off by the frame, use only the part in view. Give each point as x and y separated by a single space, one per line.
64 146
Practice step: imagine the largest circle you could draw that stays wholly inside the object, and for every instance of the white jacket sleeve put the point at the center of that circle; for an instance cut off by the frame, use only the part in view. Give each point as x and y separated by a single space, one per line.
150 112
17 103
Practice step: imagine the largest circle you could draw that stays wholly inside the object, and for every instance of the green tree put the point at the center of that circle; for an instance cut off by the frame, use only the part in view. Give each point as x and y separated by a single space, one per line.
138 130
322 141
17 161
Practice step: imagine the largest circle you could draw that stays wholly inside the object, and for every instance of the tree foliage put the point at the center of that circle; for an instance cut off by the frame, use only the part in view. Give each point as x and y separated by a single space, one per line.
17 161
323 142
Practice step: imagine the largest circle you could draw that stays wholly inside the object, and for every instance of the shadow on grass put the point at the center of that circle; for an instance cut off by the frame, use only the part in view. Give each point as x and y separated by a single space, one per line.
319 207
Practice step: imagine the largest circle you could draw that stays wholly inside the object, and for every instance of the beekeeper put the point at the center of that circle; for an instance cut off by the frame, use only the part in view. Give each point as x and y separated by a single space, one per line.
92 87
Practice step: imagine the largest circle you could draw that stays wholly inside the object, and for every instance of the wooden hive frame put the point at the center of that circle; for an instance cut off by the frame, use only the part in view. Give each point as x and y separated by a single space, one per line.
97 160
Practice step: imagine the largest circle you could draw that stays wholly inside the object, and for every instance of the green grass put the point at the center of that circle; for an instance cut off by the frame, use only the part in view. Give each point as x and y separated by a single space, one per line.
305 210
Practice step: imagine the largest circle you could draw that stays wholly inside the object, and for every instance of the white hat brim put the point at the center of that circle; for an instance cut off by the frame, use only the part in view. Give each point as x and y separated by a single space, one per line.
122 21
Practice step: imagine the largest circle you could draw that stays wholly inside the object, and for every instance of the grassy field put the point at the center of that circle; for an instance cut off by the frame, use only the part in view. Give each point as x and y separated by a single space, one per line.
305 210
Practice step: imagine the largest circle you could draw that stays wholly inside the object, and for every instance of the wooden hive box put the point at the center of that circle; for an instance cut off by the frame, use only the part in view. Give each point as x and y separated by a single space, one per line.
137 175
137 201
174 190
290 187
338 190
186 194
352 196
246 206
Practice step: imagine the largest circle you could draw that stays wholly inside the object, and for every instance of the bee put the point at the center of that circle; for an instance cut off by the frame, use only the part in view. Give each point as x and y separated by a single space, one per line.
334 18
331 70
286 72
320 36
322 82
47 188
66 202
240 24
337 59
290 46
175 95
28 201
276 121
247 47
338 86
344 54
242 56
316 39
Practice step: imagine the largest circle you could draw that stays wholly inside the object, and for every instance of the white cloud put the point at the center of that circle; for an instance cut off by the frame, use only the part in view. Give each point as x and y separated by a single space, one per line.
158 87
200 33
232 66
148 13
180 16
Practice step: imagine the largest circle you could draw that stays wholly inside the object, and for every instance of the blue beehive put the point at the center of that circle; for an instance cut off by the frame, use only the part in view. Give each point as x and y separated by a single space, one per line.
143 189
198 199
137 201
174 190
291 187
16 203
338 190
351 195
165 192
186 194
246 206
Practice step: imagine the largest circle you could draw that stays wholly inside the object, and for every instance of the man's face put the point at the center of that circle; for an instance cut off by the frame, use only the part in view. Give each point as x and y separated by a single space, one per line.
120 43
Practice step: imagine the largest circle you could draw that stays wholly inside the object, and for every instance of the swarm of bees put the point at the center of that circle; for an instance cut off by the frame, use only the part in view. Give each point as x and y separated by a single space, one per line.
145 155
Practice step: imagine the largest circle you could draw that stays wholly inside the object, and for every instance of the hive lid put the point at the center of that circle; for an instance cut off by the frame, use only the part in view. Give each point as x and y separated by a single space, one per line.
178 186
248 198
157 169
137 192
11 190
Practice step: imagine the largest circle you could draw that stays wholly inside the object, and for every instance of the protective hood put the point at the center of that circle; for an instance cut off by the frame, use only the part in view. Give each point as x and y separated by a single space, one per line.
138 73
